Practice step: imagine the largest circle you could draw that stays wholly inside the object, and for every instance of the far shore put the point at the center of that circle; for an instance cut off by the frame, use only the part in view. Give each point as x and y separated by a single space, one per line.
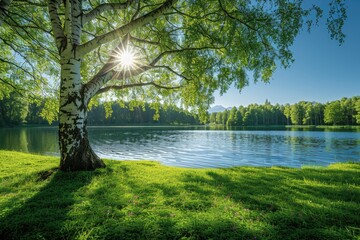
248 127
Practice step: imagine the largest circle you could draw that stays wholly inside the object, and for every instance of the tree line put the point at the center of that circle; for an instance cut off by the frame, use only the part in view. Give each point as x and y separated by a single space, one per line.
125 114
15 111
345 111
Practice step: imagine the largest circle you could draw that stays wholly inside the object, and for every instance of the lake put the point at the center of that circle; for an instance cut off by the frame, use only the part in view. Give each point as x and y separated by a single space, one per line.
199 146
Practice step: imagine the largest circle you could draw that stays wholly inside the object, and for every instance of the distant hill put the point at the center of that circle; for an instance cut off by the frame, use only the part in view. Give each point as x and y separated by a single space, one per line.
217 108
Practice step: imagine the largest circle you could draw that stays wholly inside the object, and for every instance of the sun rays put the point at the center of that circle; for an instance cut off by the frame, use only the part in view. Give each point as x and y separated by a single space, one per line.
126 59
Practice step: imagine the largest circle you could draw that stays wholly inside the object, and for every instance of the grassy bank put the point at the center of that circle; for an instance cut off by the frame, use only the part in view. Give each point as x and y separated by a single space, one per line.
145 200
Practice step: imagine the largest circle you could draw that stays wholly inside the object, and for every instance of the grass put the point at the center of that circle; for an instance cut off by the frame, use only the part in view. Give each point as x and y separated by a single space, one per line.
145 200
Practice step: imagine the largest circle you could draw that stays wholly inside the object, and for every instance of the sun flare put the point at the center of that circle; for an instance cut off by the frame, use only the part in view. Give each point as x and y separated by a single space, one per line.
126 59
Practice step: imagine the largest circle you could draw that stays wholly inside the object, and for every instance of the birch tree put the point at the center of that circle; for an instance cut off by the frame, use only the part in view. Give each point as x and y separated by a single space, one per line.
156 51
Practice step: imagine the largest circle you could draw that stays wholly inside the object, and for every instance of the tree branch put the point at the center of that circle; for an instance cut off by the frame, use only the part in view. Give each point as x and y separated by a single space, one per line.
140 40
108 73
161 55
21 13
17 66
177 11
67 21
103 8
56 23
13 86
137 10
13 46
267 46
140 69
104 75
235 18
26 2
76 25
27 37
119 87
125 29
173 71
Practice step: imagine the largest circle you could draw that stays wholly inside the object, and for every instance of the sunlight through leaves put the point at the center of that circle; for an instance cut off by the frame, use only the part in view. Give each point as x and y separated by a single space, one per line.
126 59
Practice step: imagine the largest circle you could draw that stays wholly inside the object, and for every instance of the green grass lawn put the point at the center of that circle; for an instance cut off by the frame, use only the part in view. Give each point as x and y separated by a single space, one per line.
145 200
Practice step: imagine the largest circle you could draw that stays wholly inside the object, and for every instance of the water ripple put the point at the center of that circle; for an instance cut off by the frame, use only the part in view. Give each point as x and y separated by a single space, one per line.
199 148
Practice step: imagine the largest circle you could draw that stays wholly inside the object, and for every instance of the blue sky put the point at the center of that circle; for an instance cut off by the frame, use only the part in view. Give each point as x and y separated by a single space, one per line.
323 71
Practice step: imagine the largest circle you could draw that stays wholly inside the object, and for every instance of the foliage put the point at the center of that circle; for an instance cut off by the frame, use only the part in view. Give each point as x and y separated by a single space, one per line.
333 113
124 115
27 54
33 116
16 110
145 200
347 112
13 110
344 112
297 113
357 108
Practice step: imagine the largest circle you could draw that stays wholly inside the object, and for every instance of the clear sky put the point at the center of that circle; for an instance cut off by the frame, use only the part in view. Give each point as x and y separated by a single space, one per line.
323 71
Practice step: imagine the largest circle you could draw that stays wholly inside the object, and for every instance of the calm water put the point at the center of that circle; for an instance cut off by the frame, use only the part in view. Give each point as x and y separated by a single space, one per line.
199 147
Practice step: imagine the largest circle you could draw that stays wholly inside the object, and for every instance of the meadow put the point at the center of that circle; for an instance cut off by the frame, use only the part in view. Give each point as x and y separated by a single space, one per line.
147 200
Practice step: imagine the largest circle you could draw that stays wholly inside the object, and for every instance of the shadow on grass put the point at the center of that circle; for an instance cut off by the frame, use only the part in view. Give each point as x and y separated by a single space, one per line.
43 215
148 201
300 204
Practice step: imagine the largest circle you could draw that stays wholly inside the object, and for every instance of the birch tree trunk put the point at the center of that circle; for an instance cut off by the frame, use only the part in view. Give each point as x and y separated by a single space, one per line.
75 149
76 152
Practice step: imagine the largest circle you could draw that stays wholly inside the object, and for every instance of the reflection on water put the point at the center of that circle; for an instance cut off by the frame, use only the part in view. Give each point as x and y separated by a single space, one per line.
35 140
199 147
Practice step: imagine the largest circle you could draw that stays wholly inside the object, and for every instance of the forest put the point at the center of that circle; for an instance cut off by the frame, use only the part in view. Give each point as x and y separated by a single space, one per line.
14 111
345 111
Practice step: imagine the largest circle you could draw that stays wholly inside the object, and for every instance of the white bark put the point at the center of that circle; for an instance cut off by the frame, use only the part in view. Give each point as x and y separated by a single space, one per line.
56 23
125 29
76 25
76 152
71 115
67 23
